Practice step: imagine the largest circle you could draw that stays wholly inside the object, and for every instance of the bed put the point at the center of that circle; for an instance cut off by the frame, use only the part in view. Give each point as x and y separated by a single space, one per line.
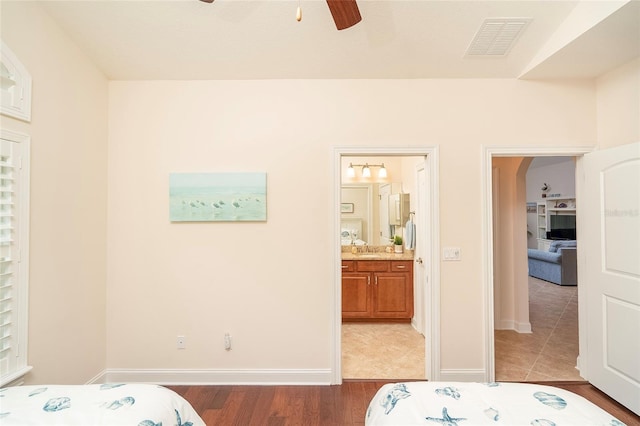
106 404
464 404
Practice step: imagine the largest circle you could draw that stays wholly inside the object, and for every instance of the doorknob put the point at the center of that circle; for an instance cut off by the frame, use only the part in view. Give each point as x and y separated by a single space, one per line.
419 260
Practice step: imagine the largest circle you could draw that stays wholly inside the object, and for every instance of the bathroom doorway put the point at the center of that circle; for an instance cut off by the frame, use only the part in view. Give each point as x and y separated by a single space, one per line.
404 167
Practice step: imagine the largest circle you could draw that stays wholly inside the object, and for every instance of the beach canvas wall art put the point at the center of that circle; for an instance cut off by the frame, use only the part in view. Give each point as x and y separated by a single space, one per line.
218 197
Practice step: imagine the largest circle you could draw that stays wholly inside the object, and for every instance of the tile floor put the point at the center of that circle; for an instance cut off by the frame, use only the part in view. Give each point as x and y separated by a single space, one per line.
550 352
382 351
547 354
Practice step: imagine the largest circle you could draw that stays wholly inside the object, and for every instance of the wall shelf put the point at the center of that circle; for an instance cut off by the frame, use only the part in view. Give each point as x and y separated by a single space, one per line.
547 208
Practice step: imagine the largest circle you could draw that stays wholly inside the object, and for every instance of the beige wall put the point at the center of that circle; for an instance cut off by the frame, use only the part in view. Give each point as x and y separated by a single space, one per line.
68 199
272 291
618 102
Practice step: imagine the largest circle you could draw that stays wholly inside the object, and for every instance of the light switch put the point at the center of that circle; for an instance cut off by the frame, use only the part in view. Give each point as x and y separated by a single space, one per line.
451 253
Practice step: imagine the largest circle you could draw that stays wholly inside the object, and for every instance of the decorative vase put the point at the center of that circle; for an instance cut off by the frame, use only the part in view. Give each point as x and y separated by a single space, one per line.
398 248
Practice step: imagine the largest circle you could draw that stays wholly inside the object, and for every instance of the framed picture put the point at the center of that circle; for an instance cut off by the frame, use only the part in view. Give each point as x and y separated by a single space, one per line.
218 197
531 207
346 207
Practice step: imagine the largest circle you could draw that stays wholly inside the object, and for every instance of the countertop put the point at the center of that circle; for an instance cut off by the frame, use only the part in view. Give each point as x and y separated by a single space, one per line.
406 255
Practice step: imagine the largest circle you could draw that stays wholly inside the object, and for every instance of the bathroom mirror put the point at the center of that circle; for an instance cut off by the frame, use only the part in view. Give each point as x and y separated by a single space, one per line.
369 219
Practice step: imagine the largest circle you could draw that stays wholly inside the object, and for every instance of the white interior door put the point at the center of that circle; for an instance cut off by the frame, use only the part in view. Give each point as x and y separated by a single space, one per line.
420 255
610 241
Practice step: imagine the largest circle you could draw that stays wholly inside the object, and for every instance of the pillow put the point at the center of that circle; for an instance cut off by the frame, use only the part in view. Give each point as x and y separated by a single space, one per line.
558 244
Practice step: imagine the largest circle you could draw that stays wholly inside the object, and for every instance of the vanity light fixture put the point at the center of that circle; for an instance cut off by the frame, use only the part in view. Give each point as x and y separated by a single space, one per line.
366 170
351 172
382 173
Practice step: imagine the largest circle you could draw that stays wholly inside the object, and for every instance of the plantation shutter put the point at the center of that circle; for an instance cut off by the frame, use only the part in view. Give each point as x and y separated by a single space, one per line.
13 280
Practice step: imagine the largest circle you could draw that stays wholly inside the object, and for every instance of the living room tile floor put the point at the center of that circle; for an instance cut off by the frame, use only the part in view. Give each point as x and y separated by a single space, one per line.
549 353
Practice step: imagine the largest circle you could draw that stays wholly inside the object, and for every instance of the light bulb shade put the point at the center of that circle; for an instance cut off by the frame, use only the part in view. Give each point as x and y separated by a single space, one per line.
383 172
351 172
366 171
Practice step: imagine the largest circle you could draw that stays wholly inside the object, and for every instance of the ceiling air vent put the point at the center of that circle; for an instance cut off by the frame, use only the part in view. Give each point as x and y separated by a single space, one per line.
496 36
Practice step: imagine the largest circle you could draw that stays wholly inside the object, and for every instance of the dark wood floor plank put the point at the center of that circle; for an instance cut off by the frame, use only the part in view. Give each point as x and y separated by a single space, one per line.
263 404
232 407
249 402
311 407
328 406
220 398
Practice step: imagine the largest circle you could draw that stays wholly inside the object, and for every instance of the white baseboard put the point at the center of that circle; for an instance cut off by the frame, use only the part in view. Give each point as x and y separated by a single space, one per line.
466 375
98 378
523 327
520 327
217 377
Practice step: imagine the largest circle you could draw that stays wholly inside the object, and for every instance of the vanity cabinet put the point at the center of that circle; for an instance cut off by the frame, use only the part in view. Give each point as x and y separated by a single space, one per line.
377 290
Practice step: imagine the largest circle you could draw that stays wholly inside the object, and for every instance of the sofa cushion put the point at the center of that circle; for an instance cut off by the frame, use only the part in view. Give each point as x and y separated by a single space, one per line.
544 256
558 244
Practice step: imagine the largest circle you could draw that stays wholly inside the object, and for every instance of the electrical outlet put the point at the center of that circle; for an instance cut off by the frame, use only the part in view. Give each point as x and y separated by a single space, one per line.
181 342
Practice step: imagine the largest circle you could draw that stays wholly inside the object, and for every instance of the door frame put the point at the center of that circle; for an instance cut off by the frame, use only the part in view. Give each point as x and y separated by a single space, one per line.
431 295
488 153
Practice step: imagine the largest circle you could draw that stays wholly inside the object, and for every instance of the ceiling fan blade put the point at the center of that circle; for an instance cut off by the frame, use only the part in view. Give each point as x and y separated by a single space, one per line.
345 13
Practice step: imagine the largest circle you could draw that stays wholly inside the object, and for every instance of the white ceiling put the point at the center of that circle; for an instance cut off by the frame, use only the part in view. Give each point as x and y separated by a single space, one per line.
261 39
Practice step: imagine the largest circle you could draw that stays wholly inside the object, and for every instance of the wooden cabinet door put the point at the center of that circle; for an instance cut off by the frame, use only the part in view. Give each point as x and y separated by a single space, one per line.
392 295
356 295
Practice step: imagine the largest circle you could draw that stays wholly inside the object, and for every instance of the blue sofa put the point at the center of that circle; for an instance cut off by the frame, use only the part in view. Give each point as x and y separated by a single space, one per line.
558 265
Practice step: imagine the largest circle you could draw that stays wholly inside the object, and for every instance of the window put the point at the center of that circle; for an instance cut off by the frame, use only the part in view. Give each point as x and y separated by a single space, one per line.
14 255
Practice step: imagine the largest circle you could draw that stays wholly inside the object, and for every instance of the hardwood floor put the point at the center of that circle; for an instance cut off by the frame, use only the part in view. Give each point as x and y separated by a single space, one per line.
325 405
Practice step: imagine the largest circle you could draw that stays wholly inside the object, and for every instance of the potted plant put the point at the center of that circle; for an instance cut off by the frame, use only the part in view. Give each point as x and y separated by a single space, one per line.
397 244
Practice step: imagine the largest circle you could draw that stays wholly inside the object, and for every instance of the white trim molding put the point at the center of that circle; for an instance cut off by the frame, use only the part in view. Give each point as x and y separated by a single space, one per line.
462 375
216 376
520 327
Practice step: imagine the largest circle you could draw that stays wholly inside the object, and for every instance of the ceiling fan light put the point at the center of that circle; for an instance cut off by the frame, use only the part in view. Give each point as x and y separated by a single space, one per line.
351 171
366 171
383 172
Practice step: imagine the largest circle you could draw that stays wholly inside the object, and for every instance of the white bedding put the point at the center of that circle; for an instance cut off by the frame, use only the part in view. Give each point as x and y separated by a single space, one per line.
465 404
107 404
